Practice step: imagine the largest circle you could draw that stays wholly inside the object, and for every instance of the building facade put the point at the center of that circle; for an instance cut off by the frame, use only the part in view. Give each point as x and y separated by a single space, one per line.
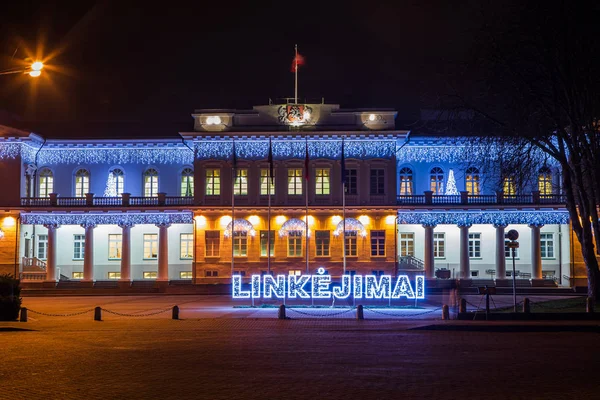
262 191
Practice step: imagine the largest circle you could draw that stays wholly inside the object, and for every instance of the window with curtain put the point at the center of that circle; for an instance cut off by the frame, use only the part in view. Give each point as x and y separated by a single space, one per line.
436 180
46 184
322 181
267 186
213 182
406 181
509 186
294 181
472 181
240 186
545 181
82 182
151 183
187 182
119 181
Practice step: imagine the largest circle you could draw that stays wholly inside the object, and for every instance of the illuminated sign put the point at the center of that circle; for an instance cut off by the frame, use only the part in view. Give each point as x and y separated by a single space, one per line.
320 286
294 114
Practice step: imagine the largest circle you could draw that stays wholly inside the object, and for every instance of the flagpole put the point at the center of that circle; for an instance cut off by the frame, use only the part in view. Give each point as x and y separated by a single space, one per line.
344 205
269 181
296 76
233 165
306 198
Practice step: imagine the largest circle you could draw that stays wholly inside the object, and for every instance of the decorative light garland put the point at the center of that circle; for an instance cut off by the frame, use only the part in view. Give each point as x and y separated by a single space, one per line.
240 225
293 224
96 155
352 224
107 218
489 217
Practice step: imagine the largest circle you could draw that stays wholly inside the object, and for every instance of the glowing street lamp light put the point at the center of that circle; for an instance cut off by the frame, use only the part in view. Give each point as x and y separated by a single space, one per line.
34 70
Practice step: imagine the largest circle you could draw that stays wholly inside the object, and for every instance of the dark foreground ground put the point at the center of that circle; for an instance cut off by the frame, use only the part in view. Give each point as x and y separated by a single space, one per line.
237 354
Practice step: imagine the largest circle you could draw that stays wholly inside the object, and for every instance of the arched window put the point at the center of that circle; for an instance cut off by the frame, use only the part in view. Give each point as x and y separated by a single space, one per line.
509 186
545 181
406 181
187 182
472 180
436 180
118 182
151 183
82 182
46 183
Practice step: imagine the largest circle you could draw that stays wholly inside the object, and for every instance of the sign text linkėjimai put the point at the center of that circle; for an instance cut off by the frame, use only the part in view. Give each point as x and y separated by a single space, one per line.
320 286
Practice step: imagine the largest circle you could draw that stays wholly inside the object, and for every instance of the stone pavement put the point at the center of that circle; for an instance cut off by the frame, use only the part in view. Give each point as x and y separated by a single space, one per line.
217 352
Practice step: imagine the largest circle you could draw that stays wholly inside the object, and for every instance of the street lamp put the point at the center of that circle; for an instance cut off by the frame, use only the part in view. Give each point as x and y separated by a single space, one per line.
513 235
34 70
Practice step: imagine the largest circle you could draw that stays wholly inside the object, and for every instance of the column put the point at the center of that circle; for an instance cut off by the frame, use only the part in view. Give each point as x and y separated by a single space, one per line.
500 255
163 251
536 251
428 258
51 253
465 268
88 253
126 251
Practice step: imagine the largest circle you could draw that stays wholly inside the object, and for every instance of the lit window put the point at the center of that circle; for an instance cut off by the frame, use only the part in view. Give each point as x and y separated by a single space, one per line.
213 182
474 245
150 275
118 179
509 186
46 183
436 180
78 247
185 275
351 244
377 181
150 246
439 245
322 181
294 181
186 245
545 181
115 242
187 182
240 186
322 243
42 249
265 238
240 244
295 272
351 182
267 186
377 243
547 245
151 183
295 243
114 275
406 181
472 181
212 239
77 275
407 244
82 182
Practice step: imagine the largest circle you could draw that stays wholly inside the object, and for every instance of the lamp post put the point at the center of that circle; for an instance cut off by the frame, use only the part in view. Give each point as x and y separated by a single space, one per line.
513 235
34 70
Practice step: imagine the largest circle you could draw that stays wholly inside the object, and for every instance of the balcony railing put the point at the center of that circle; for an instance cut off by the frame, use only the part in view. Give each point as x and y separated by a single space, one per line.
89 200
464 198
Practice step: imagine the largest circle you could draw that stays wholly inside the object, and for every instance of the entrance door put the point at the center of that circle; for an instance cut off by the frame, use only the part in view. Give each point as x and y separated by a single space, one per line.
27 252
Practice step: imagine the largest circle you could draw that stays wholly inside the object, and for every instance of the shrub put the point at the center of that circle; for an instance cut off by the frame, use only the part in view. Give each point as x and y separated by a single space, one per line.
10 300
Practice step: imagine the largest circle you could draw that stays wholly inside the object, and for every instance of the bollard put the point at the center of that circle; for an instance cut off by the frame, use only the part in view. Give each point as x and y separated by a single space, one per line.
23 314
445 312
359 312
175 312
589 305
463 306
97 314
281 314
526 306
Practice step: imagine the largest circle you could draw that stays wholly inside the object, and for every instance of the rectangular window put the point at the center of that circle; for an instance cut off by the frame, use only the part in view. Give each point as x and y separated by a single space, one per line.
407 244
212 240
213 182
295 243
265 247
547 244
322 182
439 245
351 181
211 274
377 243
509 187
240 186
474 245
474 274
150 274
322 243
351 244
240 244
294 181
377 181
46 185
186 246
151 184
295 272
42 249
508 252
77 275
150 246
267 186
187 184
239 272
185 275
114 275
115 242
78 247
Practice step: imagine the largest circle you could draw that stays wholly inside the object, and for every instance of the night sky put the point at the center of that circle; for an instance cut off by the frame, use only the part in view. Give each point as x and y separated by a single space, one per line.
134 62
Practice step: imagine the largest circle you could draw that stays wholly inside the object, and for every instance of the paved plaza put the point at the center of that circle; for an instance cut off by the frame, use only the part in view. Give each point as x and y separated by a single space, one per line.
217 351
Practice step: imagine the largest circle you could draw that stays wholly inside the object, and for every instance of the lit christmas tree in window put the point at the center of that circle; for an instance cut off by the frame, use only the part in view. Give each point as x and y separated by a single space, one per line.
451 186
111 186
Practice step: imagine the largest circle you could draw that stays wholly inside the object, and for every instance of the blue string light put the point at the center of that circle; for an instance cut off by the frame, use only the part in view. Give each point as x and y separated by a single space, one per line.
107 218
463 218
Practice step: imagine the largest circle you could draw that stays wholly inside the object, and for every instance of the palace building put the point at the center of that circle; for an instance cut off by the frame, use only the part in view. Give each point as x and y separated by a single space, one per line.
261 191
